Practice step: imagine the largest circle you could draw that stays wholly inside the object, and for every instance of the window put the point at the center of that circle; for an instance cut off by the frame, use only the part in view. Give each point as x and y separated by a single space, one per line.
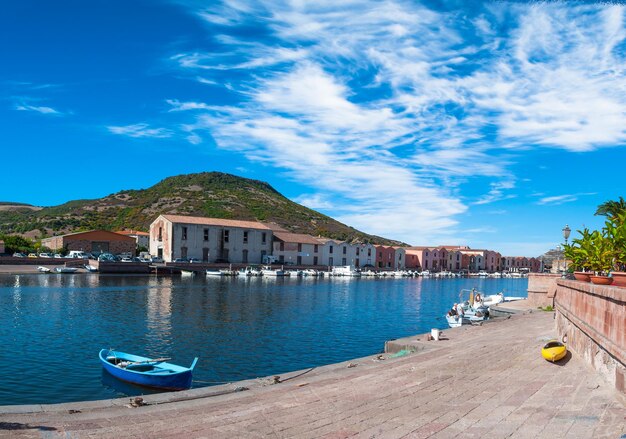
345 249
226 235
356 262
184 233
206 234
343 261
299 260
160 233
282 246
330 250
245 237
357 251
263 237
299 247
314 260
330 261
245 257
369 252
315 248
281 259
380 255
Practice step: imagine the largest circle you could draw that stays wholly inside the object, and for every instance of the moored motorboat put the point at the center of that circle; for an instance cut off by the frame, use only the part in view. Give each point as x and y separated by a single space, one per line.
91 268
67 270
44 269
553 351
214 273
149 372
268 271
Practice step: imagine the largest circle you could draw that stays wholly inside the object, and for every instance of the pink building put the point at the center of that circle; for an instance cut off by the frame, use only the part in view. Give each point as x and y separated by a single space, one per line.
385 256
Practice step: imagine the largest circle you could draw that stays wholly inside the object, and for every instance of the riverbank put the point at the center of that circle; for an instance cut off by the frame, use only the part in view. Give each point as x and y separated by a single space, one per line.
484 381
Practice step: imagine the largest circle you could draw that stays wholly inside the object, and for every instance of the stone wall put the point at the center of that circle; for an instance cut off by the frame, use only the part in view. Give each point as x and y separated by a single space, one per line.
541 289
593 317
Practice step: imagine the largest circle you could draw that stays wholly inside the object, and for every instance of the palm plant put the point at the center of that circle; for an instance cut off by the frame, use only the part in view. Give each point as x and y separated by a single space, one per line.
612 209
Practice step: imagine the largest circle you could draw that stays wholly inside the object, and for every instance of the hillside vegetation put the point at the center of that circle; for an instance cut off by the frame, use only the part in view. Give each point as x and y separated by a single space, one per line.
210 194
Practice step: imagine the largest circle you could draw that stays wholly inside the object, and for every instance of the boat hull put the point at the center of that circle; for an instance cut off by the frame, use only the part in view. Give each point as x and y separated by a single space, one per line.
554 351
172 377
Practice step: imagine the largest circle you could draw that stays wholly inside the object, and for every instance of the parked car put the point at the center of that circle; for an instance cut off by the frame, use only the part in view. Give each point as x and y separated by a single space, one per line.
32 255
156 260
107 257
57 256
19 255
194 260
181 260
127 259
45 255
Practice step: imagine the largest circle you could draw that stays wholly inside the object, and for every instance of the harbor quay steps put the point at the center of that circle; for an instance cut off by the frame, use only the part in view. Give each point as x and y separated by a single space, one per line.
475 381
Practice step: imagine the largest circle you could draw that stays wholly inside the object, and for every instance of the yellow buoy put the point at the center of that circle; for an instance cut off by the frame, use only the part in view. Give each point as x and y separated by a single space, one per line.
553 351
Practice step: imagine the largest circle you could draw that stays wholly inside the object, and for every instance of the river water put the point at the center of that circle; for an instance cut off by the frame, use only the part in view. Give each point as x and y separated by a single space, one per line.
53 326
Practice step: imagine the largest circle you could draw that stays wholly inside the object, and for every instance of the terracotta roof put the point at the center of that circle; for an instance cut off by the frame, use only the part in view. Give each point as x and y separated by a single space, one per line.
132 232
300 238
90 232
215 222
325 240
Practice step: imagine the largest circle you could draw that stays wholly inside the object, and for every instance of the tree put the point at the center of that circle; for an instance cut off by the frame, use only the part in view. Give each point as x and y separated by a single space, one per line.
612 209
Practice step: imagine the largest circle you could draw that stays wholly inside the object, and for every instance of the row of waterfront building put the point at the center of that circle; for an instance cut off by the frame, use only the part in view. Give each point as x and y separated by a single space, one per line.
214 240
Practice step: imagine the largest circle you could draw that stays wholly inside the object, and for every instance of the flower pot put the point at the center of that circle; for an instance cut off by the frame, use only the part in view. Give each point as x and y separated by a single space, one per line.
583 276
619 278
601 280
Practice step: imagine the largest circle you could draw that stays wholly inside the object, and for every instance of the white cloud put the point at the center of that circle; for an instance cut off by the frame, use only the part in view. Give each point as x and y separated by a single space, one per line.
186 106
387 110
562 199
140 130
38 109
497 192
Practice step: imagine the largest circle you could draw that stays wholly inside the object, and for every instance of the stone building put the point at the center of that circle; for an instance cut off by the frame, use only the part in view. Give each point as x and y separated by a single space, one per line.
142 238
296 249
209 239
94 241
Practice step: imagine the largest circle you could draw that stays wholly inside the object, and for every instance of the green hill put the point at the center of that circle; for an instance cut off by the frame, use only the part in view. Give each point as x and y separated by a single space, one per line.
210 194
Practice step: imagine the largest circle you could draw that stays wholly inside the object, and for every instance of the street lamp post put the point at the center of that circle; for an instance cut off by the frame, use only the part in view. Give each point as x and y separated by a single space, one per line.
566 231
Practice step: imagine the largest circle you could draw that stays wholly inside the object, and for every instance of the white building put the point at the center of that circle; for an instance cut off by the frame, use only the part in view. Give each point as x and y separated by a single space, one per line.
209 239
296 249
142 238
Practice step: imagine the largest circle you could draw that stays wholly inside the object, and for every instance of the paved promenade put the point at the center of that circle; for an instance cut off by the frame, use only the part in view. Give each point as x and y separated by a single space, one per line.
484 381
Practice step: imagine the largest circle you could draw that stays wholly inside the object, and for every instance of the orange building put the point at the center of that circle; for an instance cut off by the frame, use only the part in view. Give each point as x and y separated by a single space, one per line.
94 241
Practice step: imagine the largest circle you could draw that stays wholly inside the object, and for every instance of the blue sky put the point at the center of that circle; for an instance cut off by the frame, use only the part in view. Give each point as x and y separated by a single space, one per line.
491 125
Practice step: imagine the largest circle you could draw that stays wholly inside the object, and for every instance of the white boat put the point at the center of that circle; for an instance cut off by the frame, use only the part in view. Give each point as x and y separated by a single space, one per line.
270 272
90 268
425 273
250 271
187 273
346 270
482 273
493 299
456 321
228 272
214 273
310 272
44 269
67 270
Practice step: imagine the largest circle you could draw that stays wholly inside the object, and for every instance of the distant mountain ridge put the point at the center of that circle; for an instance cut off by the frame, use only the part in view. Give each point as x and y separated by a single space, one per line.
208 194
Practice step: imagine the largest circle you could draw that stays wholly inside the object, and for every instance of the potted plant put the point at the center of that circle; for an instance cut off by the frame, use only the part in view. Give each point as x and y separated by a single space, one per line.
578 254
601 257
616 232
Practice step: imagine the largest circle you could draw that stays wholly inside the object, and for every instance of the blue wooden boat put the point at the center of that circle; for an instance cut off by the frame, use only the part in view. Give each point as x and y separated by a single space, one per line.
149 372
